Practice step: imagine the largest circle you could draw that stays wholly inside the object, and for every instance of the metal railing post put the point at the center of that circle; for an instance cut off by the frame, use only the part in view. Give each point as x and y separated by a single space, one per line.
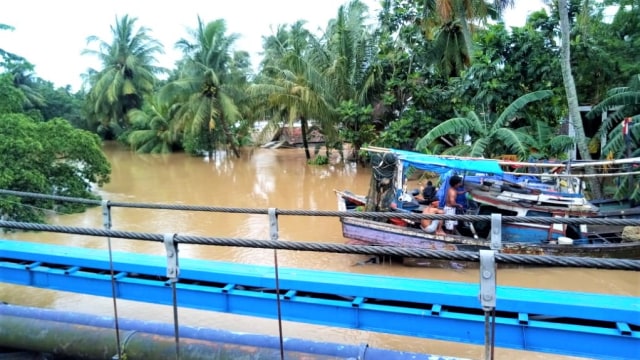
173 271
488 298
274 235
106 223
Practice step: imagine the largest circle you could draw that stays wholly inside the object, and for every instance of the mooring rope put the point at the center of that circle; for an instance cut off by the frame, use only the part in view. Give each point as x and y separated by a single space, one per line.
514 259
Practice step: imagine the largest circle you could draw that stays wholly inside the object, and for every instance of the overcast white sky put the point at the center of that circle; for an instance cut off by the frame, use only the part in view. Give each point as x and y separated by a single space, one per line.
52 34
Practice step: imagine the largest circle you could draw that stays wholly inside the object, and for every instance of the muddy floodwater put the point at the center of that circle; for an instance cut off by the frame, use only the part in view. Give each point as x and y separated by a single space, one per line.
265 178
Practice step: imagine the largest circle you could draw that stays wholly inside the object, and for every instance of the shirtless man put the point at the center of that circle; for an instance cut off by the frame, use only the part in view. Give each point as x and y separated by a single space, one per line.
432 226
450 205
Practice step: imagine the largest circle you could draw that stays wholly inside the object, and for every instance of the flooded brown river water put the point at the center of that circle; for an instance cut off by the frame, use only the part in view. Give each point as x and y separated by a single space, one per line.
261 179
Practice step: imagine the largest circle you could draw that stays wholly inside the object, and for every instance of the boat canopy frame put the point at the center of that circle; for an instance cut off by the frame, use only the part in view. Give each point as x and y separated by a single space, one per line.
442 164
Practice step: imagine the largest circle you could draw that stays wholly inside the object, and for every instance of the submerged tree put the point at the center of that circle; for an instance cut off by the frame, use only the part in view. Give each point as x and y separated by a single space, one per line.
204 91
291 87
347 59
151 131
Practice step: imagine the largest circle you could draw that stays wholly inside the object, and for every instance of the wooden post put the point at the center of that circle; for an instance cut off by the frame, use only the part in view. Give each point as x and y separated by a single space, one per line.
627 140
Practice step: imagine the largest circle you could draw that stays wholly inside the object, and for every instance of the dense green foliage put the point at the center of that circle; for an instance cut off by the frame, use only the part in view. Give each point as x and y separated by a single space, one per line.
11 99
486 136
440 76
422 63
49 157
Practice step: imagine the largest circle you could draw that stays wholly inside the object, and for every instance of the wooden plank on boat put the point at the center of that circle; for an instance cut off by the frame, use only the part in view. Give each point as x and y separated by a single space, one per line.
354 198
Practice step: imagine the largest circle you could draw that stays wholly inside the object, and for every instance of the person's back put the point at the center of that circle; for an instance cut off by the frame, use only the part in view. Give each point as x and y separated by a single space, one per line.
428 193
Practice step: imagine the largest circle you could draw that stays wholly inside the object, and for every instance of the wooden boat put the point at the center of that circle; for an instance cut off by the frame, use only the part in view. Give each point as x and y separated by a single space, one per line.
489 191
607 208
615 209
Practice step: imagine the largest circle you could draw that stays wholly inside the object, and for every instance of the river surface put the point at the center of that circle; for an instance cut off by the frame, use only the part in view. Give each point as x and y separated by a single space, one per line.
265 178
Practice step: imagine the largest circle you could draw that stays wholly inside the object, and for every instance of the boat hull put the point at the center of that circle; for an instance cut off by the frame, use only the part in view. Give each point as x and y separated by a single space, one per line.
614 209
371 232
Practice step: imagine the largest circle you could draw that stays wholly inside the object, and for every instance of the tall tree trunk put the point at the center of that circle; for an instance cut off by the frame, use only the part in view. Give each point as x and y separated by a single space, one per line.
303 131
466 30
572 97
228 137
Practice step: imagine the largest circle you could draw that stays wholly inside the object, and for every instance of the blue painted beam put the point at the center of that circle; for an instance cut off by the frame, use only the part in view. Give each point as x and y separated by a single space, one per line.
567 323
512 299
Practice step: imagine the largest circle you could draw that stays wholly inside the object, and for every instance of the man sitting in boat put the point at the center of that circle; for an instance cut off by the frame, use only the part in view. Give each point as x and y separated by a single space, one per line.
428 194
432 226
451 205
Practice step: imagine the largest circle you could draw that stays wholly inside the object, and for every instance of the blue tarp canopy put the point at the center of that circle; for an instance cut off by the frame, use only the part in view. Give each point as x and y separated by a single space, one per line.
442 164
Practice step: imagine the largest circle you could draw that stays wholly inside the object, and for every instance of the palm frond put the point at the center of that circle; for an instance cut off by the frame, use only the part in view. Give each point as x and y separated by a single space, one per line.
625 98
455 127
479 147
518 104
513 141
617 144
458 150
560 144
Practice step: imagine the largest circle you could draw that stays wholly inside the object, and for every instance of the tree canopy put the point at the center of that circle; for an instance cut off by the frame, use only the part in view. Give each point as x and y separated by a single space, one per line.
51 157
433 76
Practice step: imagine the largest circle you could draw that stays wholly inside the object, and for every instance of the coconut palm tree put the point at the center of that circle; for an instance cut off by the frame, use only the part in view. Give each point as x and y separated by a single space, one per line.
292 97
203 90
457 16
572 96
23 72
348 55
450 51
304 77
291 86
151 127
480 137
348 60
128 72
